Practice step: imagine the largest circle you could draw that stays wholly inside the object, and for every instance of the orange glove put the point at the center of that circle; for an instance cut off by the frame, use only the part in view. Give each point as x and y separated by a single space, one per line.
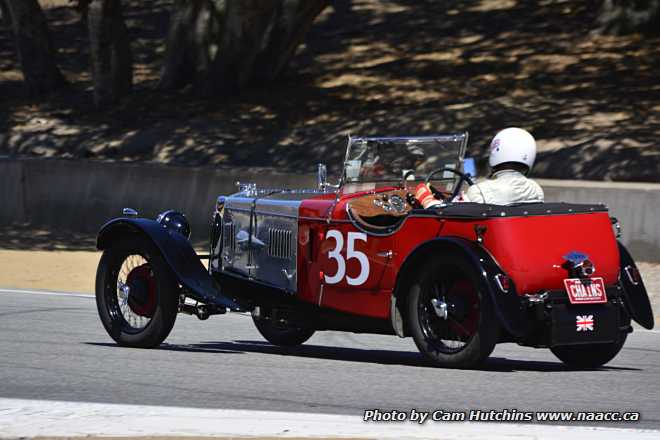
425 196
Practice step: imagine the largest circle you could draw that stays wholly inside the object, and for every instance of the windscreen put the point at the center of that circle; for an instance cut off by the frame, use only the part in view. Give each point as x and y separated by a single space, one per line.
393 159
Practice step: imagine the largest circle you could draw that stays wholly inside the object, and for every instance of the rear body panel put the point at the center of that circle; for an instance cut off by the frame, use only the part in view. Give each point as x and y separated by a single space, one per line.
532 250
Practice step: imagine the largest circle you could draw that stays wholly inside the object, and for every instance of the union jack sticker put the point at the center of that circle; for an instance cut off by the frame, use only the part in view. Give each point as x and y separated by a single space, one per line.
585 323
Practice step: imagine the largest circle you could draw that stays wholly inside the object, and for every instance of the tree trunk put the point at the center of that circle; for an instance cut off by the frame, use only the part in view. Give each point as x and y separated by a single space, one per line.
628 16
111 61
246 30
291 24
193 28
34 46
221 46
4 13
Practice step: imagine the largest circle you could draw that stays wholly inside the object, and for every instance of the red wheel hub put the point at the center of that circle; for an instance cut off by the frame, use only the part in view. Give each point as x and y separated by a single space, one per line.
143 293
464 296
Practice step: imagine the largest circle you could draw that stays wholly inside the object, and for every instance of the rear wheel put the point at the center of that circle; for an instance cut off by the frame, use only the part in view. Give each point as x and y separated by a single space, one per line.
281 332
451 319
589 355
136 294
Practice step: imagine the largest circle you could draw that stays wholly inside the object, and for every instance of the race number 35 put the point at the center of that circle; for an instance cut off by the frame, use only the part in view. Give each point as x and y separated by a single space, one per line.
336 255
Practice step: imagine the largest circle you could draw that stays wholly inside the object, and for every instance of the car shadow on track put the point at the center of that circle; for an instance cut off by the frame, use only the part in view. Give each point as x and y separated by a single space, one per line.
384 357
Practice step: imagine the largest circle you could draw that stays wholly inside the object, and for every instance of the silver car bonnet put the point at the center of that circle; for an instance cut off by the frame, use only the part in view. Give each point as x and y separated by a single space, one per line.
260 230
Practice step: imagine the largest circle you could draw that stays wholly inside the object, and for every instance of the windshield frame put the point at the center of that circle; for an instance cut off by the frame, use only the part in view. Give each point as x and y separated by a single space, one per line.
459 137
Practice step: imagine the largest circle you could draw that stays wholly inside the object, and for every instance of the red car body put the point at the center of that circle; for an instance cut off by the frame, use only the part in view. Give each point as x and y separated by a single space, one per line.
531 248
366 257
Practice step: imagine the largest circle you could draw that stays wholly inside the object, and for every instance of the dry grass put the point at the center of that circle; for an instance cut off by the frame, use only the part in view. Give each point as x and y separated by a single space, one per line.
67 271
47 4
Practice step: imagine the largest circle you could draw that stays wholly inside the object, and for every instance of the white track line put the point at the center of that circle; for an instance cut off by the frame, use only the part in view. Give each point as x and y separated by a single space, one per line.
48 292
32 418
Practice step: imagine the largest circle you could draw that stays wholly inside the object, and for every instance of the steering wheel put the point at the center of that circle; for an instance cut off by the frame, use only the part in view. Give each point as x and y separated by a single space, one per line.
462 178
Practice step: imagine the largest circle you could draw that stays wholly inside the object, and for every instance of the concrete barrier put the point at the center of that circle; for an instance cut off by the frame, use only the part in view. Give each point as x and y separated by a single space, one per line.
81 195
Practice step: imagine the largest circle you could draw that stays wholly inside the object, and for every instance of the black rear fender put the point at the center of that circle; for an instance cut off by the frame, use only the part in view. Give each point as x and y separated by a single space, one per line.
634 292
508 306
178 253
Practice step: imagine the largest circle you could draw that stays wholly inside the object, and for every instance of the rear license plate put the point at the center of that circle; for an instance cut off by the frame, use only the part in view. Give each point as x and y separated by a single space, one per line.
585 290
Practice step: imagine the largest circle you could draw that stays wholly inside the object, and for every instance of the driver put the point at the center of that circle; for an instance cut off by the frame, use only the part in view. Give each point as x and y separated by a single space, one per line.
512 154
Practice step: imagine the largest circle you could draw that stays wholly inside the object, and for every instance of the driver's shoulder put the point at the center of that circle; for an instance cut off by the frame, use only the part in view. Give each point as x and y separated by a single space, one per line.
538 188
482 184
475 193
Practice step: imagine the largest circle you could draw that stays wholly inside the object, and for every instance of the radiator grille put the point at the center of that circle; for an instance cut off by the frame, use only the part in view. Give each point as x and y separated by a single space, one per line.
280 243
229 236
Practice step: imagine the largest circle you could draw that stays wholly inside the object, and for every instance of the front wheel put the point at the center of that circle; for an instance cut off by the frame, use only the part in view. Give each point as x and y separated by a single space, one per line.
450 317
281 333
589 355
136 294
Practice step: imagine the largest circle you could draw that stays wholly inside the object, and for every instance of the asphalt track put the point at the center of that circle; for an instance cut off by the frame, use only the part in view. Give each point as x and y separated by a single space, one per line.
52 347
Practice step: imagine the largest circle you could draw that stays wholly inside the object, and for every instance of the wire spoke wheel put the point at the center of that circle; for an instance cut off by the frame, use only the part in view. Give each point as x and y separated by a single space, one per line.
136 293
589 355
452 332
451 321
281 332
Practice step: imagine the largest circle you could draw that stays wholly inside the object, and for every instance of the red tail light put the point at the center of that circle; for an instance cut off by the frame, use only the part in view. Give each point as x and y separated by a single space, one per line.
503 282
633 274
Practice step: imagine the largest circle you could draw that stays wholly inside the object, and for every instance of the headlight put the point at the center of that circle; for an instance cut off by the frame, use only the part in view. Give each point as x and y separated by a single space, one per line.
174 221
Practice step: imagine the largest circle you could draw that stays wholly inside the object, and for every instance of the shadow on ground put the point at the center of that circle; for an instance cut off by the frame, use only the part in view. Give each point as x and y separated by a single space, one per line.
370 67
26 237
384 357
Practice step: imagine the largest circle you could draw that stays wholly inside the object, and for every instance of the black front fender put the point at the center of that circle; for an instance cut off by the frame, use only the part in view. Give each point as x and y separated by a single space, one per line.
508 306
636 297
177 251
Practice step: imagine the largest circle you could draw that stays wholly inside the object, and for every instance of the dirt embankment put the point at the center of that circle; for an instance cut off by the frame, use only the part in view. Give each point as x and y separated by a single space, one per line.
368 67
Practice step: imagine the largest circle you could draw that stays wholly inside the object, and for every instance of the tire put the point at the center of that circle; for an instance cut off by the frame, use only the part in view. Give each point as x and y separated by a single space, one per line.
589 355
142 315
470 331
282 334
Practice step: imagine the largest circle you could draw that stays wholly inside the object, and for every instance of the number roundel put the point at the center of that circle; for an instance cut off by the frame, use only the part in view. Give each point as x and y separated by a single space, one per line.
336 255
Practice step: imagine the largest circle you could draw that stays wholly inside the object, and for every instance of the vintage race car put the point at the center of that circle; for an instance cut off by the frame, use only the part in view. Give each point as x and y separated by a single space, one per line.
364 256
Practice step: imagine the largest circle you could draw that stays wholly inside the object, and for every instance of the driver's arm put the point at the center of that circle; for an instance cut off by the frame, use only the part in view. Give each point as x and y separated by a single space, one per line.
474 194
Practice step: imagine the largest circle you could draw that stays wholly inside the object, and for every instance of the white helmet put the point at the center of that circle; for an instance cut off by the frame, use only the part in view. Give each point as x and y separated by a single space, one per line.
512 145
